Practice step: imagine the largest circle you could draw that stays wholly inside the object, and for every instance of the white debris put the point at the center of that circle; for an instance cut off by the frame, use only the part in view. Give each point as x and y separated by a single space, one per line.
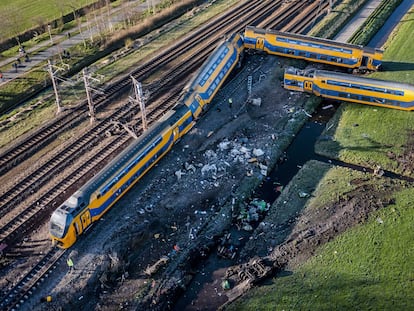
210 154
209 168
303 194
256 102
258 152
189 167
244 150
179 173
224 145
379 220
327 107
263 169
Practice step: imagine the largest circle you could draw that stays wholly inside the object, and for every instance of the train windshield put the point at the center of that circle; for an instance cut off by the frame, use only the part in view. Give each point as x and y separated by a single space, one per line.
58 223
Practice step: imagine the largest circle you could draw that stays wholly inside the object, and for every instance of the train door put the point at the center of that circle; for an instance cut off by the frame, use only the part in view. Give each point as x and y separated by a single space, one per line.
260 44
308 86
364 61
85 219
78 228
176 133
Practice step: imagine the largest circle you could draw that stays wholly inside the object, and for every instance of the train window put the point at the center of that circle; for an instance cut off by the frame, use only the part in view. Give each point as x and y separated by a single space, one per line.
323 81
82 204
323 57
98 195
312 55
291 52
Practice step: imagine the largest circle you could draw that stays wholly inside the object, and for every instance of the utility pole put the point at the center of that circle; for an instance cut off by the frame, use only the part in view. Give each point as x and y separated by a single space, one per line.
52 75
50 33
330 6
88 95
89 89
139 98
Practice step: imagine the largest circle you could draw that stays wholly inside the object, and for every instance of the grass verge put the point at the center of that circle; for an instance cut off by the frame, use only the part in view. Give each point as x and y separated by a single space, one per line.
329 26
374 22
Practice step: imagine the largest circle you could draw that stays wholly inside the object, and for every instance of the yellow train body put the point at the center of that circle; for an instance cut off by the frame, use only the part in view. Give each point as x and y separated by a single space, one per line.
351 88
312 49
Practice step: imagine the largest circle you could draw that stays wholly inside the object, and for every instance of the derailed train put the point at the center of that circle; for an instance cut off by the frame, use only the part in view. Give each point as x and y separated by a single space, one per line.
90 202
313 49
346 87
94 199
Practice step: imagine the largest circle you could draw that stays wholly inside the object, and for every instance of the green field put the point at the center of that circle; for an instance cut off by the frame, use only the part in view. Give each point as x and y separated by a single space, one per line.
19 15
371 136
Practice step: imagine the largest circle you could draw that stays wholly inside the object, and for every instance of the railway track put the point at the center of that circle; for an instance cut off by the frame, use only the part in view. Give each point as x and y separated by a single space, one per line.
13 298
19 152
118 142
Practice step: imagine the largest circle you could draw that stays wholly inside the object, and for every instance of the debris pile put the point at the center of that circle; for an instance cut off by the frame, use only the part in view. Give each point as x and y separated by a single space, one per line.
251 214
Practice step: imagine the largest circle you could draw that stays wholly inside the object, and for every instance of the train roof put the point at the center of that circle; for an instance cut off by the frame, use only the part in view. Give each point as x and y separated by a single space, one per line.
310 38
125 156
363 80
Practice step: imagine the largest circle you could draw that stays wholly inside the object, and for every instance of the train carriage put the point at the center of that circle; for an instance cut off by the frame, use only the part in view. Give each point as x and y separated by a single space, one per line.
312 49
351 88
215 70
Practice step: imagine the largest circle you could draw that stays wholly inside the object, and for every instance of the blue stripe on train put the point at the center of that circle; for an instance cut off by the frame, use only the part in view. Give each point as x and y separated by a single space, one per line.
97 211
306 54
367 99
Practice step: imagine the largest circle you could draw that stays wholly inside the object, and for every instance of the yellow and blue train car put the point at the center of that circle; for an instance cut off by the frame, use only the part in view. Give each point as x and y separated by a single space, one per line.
211 75
95 198
91 201
312 49
350 88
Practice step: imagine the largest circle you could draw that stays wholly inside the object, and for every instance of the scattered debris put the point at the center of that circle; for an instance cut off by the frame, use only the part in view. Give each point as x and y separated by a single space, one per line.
303 194
151 270
327 107
256 102
258 152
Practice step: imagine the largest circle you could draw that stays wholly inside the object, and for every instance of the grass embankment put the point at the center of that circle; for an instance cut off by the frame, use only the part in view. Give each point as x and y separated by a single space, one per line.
375 21
370 135
329 26
367 268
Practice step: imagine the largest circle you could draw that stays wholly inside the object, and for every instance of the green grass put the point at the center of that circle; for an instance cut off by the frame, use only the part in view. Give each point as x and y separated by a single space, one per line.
20 15
369 267
329 26
363 134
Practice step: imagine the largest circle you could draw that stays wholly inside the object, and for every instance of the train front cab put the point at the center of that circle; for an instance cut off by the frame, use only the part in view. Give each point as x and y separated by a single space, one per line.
298 80
69 221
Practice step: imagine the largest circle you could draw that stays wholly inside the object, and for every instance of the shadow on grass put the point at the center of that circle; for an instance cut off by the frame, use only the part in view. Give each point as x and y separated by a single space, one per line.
397 66
335 292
